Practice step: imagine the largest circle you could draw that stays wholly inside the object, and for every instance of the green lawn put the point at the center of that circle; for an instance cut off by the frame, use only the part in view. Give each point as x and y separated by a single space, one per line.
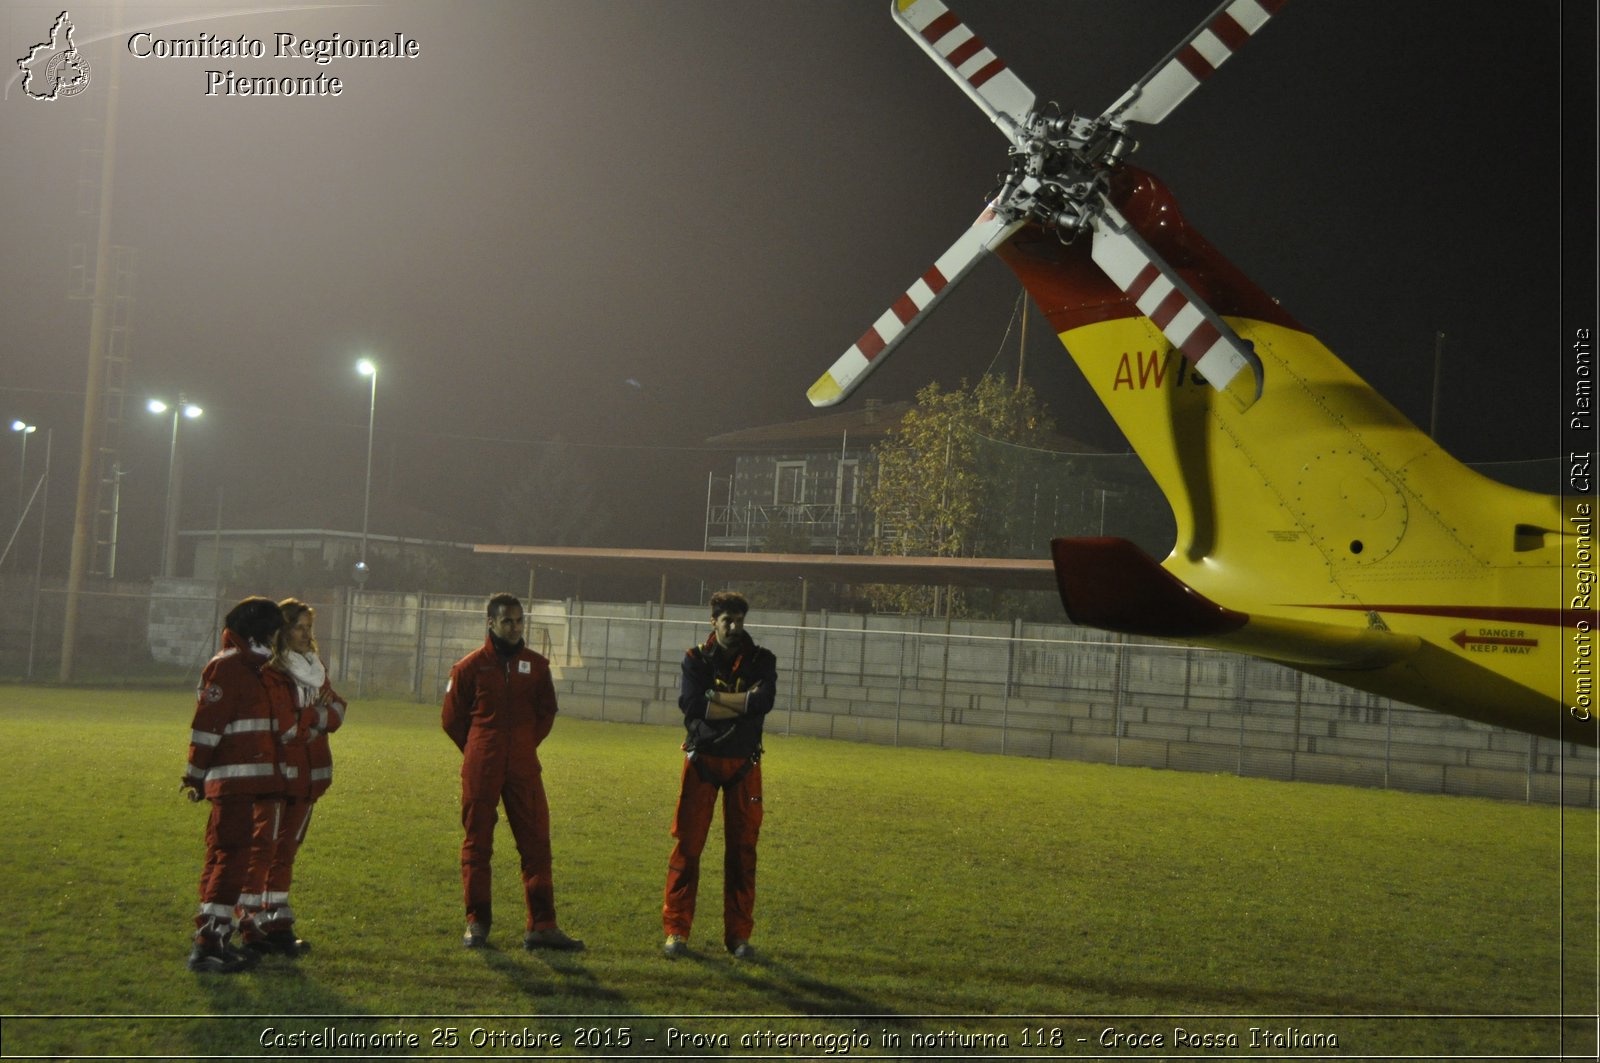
903 893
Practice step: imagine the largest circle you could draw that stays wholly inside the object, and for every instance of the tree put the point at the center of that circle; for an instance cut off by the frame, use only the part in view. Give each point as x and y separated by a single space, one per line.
944 489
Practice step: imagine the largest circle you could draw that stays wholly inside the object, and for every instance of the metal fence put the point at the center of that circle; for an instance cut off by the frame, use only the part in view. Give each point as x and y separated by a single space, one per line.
1012 688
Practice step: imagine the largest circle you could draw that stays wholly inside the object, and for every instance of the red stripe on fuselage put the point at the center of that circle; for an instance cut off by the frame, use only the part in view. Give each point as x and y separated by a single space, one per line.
1492 614
1073 291
934 280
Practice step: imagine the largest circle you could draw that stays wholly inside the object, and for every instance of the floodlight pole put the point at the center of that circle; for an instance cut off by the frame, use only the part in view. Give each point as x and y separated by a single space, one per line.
169 541
368 368
38 561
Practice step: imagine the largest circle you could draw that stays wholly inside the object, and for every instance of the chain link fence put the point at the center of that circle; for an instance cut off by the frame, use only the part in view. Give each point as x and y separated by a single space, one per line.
1017 688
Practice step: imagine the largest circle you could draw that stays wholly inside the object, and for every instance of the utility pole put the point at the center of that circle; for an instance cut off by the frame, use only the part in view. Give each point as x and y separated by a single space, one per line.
93 410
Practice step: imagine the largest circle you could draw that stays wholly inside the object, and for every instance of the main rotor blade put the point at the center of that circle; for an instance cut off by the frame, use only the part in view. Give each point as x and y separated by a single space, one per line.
1191 326
1224 32
960 53
987 233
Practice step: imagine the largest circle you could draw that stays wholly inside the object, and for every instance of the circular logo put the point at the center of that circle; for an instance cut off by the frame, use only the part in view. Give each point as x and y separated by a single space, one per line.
67 73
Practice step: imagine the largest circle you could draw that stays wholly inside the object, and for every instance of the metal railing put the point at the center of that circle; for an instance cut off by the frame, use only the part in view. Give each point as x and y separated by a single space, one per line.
1013 688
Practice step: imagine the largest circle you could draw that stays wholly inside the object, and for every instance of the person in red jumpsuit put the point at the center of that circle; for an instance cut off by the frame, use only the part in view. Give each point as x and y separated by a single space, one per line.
297 676
499 706
233 763
725 690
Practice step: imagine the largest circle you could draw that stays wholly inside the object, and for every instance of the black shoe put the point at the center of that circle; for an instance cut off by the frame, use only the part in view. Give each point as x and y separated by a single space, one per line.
216 958
476 937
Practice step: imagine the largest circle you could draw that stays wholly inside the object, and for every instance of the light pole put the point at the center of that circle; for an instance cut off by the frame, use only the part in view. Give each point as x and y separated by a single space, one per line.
38 558
169 540
367 368
22 471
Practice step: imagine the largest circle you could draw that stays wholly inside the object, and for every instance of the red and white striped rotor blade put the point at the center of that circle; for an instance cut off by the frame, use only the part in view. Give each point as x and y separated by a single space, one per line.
1227 29
909 311
1192 327
962 55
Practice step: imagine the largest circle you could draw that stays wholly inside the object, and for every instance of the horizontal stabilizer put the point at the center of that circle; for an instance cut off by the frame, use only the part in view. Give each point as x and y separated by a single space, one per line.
1112 584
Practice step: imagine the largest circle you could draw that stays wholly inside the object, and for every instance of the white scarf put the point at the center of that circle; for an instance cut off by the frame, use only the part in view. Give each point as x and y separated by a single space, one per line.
309 674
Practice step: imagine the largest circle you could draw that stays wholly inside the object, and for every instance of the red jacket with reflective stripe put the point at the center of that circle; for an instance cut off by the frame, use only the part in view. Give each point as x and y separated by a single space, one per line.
323 719
233 741
307 760
497 711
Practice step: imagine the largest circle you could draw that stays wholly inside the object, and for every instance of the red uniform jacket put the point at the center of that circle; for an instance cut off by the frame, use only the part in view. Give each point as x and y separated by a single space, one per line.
305 760
326 716
497 711
233 742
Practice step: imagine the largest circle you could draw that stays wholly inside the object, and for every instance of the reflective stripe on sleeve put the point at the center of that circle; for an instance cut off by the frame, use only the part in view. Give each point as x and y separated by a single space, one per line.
241 771
244 726
204 738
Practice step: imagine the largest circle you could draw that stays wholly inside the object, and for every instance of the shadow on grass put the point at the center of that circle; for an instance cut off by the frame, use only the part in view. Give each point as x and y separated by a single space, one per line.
789 987
277 997
571 976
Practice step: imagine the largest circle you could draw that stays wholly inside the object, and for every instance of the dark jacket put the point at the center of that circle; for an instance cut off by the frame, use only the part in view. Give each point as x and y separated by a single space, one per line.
709 667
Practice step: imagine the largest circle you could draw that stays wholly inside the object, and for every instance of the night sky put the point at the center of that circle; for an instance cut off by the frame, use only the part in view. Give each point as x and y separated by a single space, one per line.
631 226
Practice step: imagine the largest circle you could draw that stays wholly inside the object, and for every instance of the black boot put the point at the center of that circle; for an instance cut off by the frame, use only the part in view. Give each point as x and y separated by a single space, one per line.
211 956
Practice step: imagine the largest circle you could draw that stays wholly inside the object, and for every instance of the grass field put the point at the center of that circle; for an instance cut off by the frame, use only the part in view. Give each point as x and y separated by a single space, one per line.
903 893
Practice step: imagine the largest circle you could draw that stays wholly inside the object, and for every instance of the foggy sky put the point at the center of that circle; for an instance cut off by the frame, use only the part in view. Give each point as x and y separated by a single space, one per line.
631 226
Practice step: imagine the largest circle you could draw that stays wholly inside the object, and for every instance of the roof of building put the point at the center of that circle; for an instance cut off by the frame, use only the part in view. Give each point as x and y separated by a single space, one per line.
990 572
867 422
389 519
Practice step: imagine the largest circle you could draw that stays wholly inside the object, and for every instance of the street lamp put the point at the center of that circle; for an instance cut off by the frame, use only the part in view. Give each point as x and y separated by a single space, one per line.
22 472
367 368
169 540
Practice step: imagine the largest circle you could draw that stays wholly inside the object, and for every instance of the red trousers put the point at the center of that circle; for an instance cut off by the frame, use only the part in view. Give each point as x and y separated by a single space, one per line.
528 812
227 864
278 828
691 823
